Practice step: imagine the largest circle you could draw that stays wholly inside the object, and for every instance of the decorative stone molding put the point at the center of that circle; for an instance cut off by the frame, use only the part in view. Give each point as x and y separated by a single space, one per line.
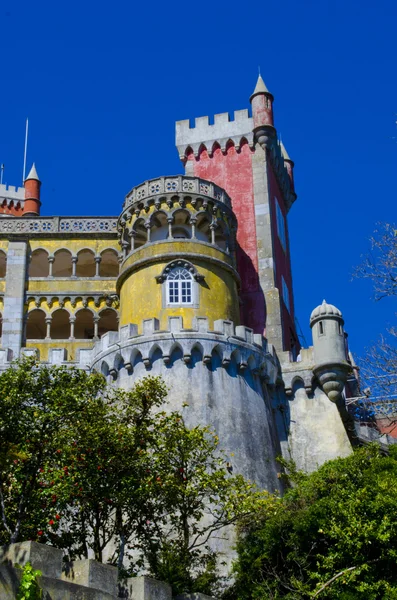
111 300
117 350
69 226
181 184
184 265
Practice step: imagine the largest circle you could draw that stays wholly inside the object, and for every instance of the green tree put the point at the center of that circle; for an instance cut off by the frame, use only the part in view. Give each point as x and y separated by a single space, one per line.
190 497
83 464
332 536
37 406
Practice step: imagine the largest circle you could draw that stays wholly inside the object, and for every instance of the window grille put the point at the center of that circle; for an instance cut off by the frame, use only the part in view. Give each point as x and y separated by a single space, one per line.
179 287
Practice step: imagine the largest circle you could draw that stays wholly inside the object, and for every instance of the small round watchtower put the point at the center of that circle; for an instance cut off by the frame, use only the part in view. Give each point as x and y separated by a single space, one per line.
331 365
178 239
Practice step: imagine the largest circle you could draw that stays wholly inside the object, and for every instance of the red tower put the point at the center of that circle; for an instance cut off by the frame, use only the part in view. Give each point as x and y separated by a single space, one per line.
245 157
32 194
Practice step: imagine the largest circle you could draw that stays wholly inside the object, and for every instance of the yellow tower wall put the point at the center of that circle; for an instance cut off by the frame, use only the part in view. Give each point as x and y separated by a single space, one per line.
141 296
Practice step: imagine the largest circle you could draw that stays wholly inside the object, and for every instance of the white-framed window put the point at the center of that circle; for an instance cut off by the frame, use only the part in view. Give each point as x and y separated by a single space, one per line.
179 287
280 225
285 292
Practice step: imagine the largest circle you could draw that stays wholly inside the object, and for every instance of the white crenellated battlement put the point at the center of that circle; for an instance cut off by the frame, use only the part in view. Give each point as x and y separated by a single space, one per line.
223 130
126 348
11 193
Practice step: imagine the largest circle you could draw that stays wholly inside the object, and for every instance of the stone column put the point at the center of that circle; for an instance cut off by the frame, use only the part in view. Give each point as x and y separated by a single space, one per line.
148 227
170 220
48 321
74 263
193 222
96 325
51 260
213 226
72 322
97 264
14 296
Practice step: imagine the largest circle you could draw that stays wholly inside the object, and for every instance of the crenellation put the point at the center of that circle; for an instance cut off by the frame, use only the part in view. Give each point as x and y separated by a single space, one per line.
223 130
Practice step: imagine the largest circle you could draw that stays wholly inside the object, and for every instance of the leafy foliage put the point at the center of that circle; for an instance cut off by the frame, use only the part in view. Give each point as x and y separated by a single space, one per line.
29 588
332 536
83 464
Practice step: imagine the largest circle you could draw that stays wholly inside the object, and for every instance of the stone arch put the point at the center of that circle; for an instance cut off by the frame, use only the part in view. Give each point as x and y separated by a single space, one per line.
118 362
3 264
107 321
230 146
222 235
202 150
203 231
84 324
109 265
159 226
60 324
85 266
35 325
62 266
181 227
39 265
105 368
216 358
155 349
139 229
215 147
196 354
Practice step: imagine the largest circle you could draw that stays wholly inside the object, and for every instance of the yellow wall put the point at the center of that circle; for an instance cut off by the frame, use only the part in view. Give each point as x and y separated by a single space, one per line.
141 297
74 244
71 347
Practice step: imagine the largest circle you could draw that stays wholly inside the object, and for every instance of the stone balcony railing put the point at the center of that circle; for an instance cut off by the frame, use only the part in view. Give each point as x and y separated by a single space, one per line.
61 226
179 184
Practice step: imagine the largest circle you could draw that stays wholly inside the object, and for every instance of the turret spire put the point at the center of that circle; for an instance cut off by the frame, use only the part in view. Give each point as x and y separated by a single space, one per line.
33 174
260 87
32 186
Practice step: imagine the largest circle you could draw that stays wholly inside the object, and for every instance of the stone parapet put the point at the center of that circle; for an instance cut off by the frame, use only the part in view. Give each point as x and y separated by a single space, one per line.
58 226
117 350
176 184
221 132
81 580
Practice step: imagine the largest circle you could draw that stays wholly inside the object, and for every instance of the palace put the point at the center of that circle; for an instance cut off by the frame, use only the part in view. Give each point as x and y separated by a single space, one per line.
192 281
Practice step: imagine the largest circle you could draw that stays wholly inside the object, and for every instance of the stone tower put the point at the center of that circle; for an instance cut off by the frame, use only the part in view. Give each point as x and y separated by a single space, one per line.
244 156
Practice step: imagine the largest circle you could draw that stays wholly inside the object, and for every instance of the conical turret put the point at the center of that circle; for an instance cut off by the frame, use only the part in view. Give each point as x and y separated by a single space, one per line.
262 113
32 193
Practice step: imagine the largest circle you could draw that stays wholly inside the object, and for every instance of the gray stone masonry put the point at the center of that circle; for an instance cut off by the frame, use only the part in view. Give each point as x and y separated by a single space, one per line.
14 297
81 580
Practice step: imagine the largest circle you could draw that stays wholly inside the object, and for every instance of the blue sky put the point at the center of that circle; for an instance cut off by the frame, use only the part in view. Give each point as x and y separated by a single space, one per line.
104 83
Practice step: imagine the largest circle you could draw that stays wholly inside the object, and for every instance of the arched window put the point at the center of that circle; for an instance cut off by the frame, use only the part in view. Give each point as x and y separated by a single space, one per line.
3 264
36 325
39 265
107 321
84 325
85 266
62 264
60 325
179 287
109 265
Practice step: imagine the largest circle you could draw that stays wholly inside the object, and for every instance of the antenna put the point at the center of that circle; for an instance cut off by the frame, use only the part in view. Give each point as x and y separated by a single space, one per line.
1 173
26 149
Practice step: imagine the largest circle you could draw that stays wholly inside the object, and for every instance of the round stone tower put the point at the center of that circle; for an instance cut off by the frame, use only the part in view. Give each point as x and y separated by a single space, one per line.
179 318
330 356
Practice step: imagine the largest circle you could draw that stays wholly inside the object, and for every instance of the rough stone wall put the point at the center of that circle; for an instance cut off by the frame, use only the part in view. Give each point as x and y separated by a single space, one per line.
80 580
14 298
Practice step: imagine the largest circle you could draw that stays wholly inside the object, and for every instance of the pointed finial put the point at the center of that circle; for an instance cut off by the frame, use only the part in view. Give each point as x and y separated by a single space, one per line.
33 173
284 153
